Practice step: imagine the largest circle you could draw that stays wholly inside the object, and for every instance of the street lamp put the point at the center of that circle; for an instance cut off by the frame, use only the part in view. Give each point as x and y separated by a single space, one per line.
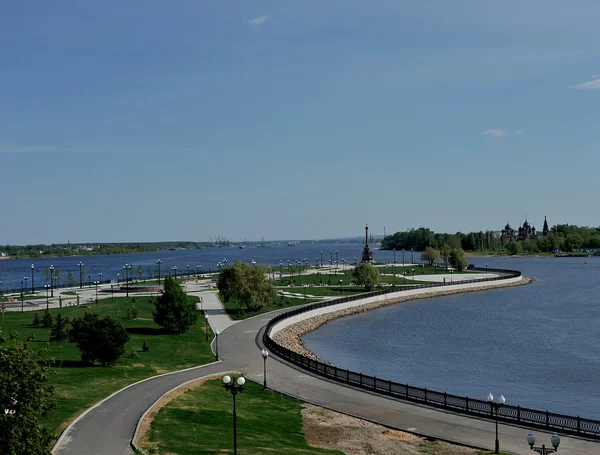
486 267
321 263
413 275
555 440
412 255
118 279
51 281
394 255
32 279
47 301
80 275
402 256
158 263
96 283
188 269
264 354
234 386
100 277
25 278
126 269
494 406
197 272
206 326
174 269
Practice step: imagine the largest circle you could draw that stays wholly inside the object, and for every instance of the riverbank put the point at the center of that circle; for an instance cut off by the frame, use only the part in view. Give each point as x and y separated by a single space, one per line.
291 337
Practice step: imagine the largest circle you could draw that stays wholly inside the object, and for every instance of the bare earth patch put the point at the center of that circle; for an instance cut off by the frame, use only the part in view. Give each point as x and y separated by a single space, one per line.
331 430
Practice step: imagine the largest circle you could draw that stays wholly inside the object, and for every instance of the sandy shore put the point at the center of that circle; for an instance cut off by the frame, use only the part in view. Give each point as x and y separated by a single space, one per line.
291 337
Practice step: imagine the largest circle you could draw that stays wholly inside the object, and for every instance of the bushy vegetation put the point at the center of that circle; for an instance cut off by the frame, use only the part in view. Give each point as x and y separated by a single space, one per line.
246 285
25 397
99 338
564 237
175 312
366 275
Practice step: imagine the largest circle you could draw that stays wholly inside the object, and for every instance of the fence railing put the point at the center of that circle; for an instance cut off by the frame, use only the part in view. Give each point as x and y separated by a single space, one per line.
507 413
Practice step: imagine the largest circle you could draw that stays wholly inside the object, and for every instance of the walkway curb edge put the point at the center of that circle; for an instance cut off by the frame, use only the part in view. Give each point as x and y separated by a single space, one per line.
56 446
147 411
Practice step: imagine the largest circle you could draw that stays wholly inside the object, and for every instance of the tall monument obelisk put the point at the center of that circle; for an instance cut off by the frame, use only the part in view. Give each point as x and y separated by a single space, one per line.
367 254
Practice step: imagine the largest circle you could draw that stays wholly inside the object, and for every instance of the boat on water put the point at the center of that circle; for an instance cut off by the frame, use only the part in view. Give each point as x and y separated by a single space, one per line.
292 243
241 247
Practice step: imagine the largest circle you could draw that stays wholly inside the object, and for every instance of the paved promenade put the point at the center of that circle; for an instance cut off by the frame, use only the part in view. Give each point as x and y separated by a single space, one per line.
108 428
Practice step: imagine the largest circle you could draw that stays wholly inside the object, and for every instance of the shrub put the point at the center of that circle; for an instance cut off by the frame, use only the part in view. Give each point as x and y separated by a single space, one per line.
99 338
59 331
132 312
47 320
174 312
36 320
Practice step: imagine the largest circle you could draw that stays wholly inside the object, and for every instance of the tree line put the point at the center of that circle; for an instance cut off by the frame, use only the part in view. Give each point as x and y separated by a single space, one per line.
81 249
564 237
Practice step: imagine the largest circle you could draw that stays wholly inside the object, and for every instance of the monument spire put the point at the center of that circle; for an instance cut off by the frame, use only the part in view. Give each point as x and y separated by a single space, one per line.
367 254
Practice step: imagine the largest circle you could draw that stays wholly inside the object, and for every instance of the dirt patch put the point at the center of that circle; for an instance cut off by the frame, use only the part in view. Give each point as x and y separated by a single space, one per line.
331 430
141 440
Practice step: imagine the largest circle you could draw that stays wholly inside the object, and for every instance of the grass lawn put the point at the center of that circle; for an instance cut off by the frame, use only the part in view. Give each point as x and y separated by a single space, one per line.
78 386
199 422
288 302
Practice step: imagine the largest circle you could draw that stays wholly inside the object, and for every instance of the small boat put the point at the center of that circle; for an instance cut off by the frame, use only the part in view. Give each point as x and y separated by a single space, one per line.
241 247
291 243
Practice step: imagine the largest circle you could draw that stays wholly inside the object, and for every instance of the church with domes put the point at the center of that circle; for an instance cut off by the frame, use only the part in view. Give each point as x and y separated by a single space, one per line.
525 232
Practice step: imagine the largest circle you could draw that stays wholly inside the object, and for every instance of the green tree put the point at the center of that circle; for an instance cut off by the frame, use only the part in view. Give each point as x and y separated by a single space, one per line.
36 320
246 285
47 274
366 275
174 311
150 272
457 259
60 331
47 321
24 398
515 248
431 255
70 279
98 338
445 253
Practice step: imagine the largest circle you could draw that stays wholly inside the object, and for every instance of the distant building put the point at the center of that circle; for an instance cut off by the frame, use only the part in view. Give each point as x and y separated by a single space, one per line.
524 232
545 230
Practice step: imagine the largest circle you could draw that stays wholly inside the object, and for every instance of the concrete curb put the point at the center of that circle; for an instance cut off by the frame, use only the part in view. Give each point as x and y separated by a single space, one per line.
149 410
56 446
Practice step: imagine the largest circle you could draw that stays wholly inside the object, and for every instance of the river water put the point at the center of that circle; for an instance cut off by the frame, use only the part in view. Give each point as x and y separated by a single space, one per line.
13 271
538 345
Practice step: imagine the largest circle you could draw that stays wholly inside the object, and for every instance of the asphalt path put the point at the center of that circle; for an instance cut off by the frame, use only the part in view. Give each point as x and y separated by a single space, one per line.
108 428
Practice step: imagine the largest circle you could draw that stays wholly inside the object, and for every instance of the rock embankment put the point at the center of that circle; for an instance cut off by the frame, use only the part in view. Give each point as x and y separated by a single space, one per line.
291 337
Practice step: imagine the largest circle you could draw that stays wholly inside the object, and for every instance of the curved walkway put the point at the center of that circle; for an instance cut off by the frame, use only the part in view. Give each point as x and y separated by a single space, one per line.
108 428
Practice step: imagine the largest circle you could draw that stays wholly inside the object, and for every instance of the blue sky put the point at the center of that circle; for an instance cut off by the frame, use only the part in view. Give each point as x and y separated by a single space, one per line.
155 120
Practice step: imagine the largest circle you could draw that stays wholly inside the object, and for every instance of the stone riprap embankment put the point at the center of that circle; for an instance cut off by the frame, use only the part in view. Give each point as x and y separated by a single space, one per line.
290 337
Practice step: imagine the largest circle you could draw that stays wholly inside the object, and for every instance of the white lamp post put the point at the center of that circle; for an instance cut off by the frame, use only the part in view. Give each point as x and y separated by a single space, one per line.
264 354
555 440
234 386
495 405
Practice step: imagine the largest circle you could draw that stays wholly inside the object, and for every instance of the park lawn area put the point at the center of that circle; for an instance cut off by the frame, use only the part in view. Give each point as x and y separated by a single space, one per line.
78 385
279 304
199 422
346 277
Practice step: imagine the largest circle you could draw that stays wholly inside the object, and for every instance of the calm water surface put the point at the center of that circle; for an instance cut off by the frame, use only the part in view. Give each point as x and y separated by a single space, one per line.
538 344
12 271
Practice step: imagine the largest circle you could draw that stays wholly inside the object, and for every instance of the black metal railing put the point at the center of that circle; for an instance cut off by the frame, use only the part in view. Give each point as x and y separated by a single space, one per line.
513 414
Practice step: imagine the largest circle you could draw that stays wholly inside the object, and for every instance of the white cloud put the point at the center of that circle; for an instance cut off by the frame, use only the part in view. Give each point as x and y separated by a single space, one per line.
590 85
519 132
258 21
495 132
